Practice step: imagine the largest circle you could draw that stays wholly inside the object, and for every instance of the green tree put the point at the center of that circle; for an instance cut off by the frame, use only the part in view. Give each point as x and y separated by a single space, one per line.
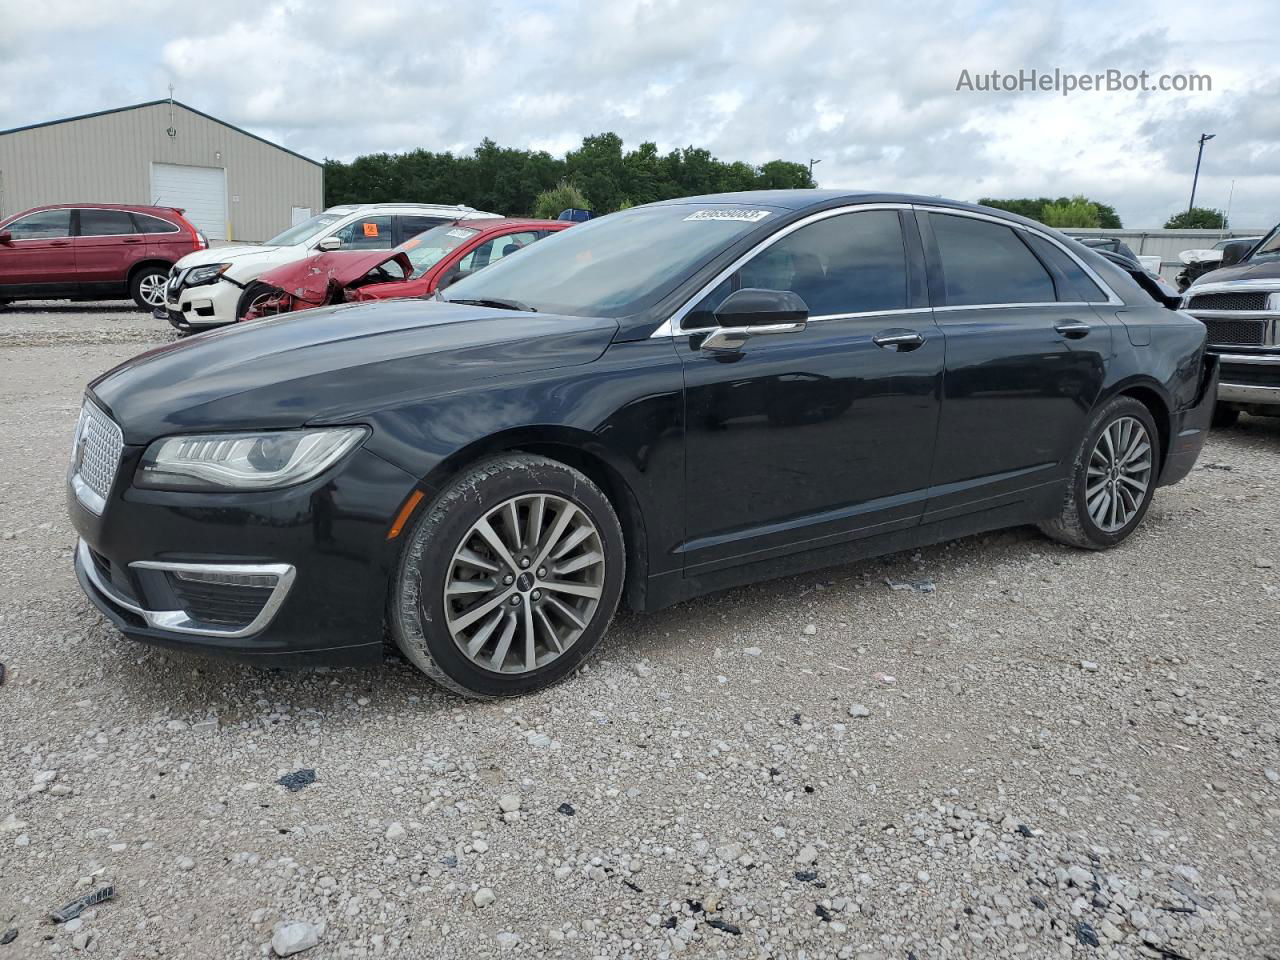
563 196
1076 212
1197 218
1034 209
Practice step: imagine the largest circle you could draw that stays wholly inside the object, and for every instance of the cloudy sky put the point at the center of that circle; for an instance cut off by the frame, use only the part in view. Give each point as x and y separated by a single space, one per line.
868 89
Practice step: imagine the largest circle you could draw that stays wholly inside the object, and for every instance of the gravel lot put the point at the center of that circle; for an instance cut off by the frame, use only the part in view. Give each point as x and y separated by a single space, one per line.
1055 754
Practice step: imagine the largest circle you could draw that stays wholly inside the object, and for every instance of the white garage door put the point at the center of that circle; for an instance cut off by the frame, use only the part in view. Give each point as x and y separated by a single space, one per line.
200 191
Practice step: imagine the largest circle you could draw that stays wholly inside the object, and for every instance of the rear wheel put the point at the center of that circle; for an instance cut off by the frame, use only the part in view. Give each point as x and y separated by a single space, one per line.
509 578
1113 478
147 287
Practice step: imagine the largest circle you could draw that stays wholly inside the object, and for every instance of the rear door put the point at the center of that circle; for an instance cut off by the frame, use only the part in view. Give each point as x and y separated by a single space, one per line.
1026 360
38 261
107 245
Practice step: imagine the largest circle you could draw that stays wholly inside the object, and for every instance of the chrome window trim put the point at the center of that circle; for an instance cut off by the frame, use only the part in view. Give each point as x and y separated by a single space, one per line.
671 326
1112 299
177 621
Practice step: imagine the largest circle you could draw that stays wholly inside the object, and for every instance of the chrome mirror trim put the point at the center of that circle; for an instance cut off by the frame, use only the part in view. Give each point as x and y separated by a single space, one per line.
724 340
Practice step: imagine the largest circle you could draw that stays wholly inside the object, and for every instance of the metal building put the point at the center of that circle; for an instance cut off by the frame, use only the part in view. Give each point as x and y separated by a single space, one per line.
232 184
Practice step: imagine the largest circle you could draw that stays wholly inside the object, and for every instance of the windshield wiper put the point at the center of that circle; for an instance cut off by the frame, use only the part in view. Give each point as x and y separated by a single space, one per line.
495 302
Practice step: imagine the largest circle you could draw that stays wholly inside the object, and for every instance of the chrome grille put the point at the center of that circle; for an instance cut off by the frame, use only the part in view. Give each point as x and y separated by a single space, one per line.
95 457
1229 301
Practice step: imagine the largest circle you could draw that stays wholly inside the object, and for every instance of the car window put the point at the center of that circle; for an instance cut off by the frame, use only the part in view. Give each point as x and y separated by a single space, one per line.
1078 284
44 225
852 263
149 224
105 223
985 262
491 251
411 226
366 233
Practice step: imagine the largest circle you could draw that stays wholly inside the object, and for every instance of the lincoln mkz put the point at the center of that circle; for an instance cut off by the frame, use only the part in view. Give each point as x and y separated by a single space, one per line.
670 400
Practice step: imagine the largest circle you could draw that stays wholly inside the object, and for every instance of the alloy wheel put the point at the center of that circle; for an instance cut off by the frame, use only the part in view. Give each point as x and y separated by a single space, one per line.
524 583
1119 474
151 289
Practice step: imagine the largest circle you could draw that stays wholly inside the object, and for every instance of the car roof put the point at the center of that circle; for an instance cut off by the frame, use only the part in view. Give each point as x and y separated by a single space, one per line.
134 207
459 209
798 200
502 223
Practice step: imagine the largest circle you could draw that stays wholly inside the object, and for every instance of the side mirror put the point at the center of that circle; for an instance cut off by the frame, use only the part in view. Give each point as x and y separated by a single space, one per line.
6 236
1235 251
753 307
330 243
752 312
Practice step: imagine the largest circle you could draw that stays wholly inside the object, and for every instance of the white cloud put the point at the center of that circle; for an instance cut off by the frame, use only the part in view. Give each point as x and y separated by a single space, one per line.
869 90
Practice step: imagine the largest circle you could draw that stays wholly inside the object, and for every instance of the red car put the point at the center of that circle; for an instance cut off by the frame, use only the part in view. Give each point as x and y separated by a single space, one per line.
416 268
93 251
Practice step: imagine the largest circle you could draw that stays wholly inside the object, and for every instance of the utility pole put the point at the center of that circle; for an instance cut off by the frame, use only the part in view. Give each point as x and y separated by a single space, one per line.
811 163
1204 138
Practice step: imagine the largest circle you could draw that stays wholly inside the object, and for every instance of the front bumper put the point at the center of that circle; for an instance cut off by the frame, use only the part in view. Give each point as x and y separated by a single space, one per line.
1252 379
320 549
200 308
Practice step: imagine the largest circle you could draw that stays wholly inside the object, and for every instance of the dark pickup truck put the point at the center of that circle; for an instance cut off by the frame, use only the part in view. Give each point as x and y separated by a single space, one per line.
1240 305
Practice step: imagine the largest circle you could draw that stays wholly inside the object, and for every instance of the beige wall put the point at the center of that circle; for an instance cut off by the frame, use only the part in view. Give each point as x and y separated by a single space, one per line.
107 159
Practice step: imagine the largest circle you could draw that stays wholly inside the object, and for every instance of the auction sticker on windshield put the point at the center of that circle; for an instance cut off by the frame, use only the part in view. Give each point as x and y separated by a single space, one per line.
746 216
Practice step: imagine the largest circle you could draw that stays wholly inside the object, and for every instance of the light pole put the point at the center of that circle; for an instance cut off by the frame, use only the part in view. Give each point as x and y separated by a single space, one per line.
811 163
1204 138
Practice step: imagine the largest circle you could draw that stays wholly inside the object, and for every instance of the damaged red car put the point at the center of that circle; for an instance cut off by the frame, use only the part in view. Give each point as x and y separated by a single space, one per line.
417 268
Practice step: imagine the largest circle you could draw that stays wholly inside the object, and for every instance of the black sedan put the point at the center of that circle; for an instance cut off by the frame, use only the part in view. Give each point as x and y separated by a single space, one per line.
659 403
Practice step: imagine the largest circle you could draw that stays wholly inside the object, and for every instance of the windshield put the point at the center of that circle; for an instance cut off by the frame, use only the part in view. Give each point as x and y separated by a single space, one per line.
616 265
427 249
304 231
1268 249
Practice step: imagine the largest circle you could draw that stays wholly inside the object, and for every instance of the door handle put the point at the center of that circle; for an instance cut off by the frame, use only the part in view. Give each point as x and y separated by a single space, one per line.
1072 329
132 239
59 243
899 340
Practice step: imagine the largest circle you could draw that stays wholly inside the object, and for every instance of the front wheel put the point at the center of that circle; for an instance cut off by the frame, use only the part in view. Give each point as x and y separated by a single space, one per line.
1112 480
509 579
147 287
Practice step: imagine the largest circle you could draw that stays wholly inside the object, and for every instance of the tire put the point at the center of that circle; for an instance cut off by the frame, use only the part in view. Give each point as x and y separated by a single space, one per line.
251 293
1076 525
1225 415
146 287
424 621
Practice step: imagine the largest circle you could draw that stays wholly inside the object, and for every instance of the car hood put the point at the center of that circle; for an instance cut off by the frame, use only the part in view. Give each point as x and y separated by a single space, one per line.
335 364
1266 270
308 280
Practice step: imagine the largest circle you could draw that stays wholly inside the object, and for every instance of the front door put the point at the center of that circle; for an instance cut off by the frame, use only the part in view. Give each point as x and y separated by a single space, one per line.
1026 360
807 439
38 260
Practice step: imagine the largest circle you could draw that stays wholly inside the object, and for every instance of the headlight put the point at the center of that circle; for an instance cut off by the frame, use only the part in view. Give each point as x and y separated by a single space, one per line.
244 461
207 273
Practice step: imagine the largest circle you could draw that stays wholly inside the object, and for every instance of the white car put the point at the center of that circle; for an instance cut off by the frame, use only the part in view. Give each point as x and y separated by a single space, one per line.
213 287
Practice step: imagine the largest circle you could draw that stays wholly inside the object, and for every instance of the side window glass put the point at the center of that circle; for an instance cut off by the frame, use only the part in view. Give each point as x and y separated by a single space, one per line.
411 226
45 225
1078 284
366 233
105 223
147 224
985 262
491 251
851 263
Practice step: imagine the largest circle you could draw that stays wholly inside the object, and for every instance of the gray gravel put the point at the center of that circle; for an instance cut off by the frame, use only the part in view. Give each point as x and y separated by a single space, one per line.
1053 754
